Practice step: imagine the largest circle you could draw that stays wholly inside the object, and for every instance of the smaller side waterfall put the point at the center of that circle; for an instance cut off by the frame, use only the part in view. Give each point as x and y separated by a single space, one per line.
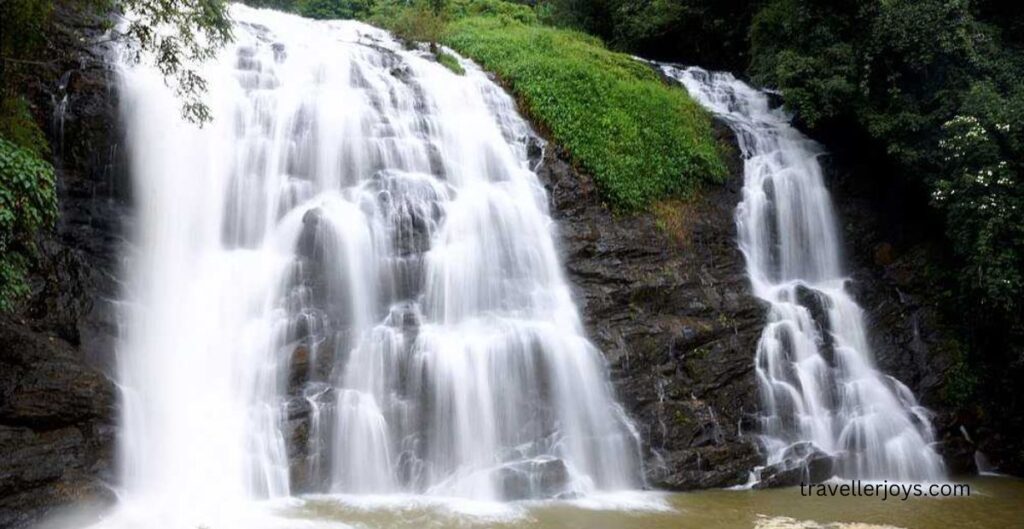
823 400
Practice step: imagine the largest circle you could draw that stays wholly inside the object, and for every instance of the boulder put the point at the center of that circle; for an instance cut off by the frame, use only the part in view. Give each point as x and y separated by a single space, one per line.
802 463
540 478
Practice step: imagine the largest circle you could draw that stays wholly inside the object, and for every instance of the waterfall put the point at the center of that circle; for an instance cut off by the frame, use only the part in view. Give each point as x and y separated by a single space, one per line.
820 391
348 283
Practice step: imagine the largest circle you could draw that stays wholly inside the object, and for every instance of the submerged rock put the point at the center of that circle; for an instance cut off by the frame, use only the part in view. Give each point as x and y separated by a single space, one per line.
534 479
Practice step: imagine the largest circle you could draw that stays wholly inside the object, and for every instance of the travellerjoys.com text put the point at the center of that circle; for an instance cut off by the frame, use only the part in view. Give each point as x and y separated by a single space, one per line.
885 490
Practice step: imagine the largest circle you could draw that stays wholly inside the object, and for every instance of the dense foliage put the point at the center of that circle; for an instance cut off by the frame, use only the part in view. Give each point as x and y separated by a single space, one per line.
28 204
936 87
27 191
18 125
712 33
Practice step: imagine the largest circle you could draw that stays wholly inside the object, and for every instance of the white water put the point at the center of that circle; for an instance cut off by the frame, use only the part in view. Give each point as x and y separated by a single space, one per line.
820 390
347 284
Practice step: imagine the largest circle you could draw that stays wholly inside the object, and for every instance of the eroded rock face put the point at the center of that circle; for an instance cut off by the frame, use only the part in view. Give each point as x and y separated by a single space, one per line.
674 316
56 433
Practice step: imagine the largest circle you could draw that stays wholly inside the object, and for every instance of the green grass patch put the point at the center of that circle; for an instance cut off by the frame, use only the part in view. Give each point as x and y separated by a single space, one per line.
641 139
449 61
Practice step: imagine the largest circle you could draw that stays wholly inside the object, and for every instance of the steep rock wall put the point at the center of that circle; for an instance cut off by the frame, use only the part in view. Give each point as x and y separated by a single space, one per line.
57 397
667 300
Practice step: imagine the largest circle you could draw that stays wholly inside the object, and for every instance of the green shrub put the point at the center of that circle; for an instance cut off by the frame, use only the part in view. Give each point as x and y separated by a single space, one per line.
450 62
28 204
961 379
982 196
640 139
333 9
495 8
422 21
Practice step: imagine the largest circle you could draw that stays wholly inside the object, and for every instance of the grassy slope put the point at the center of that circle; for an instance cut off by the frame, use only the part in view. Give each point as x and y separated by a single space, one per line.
641 139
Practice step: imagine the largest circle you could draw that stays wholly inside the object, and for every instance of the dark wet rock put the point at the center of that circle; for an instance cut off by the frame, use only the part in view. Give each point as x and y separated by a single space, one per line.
280 54
806 465
56 428
307 415
299 367
702 468
674 316
75 94
672 311
818 305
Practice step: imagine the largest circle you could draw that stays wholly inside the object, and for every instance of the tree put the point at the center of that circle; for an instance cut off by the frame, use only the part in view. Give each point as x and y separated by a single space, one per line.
333 9
936 87
177 37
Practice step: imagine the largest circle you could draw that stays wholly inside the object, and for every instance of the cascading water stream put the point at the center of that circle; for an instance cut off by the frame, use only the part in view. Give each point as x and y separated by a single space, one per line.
820 391
348 283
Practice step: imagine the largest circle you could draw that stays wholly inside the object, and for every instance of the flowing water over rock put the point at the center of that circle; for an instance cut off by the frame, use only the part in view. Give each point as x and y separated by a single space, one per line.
826 409
348 284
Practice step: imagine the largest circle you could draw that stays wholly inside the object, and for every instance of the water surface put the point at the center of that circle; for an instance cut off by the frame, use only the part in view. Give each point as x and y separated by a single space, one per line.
993 503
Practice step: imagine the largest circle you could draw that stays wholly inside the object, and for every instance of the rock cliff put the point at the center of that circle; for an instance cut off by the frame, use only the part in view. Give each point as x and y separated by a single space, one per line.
57 399
665 296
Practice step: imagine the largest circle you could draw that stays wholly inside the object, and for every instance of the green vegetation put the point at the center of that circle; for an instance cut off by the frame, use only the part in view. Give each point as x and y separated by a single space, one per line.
331 9
418 22
18 126
641 140
190 33
961 381
449 61
28 199
711 33
28 203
